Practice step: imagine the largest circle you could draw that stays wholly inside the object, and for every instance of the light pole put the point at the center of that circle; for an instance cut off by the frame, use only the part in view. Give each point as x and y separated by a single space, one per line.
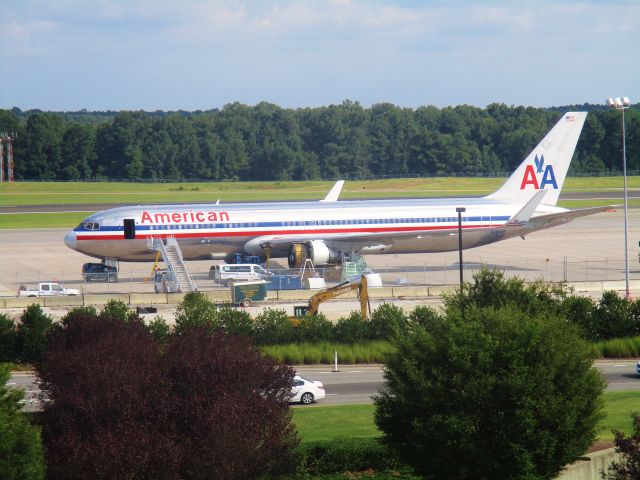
460 211
622 104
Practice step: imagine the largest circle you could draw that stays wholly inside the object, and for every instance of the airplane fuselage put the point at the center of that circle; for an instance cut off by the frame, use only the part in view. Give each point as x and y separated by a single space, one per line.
213 231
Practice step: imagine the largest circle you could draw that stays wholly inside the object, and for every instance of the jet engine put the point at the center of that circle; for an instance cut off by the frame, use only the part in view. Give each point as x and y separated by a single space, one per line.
317 250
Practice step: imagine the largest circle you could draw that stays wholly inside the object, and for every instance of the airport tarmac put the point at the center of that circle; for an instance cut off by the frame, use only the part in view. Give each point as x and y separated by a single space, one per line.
589 249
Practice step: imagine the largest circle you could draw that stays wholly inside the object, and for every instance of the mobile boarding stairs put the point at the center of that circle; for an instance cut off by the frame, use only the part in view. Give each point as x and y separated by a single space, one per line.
173 259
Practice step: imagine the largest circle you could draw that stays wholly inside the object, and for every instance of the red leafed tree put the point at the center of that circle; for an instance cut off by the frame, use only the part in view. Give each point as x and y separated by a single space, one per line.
233 419
108 409
202 406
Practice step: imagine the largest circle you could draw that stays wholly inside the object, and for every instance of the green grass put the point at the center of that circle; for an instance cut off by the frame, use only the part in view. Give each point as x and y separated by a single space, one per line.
63 193
618 408
345 421
317 353
332 422
618 348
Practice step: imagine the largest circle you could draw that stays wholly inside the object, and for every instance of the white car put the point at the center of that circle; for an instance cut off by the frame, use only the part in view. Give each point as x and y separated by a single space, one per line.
306 391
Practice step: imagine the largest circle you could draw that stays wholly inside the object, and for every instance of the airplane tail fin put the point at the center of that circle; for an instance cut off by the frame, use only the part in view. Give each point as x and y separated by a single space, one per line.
545 168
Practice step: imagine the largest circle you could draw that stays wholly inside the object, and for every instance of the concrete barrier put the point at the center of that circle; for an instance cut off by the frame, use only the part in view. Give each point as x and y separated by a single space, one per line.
413 292
23 302
438 290
293 294
148 299
104 299
618 285
586 286
175 298
590 469
219 296
64 301
380 292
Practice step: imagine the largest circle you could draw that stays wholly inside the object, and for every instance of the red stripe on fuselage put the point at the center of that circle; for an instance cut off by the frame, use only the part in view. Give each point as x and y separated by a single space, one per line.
259 233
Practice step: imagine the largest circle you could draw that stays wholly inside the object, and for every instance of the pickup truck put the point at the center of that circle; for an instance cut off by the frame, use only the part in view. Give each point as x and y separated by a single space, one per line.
46 289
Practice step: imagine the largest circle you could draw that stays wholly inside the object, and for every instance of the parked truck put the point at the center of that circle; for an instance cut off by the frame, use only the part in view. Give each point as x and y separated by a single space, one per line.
46 289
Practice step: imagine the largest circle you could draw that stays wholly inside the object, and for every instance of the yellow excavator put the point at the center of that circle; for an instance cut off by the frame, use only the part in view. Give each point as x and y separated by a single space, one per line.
310 310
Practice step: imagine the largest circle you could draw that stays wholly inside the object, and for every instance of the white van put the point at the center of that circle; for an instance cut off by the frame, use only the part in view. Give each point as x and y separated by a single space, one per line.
227 273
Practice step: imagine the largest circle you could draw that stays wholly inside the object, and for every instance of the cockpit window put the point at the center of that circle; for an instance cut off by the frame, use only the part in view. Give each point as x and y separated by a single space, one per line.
89 226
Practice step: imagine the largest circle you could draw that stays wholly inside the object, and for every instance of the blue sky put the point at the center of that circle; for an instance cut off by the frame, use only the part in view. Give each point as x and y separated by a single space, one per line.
203 54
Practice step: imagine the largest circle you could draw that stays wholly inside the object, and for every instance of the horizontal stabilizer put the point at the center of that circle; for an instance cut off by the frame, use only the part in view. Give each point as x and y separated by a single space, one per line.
334 193
552 219
528 210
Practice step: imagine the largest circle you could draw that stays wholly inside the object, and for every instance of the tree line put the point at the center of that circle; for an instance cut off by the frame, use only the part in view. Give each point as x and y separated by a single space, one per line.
267 142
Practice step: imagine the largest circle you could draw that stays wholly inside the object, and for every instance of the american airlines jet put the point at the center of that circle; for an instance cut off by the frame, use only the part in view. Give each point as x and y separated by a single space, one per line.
328 230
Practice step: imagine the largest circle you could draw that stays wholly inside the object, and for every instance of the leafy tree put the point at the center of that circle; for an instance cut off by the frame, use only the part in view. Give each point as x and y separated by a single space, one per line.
7 339
495 393
628 468
31 333
196 310
21 456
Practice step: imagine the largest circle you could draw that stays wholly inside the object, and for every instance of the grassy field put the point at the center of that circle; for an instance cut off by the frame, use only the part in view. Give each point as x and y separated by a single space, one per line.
342 421
74 193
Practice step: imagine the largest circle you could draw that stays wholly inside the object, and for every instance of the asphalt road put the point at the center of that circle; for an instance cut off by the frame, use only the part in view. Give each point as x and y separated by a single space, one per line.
353 384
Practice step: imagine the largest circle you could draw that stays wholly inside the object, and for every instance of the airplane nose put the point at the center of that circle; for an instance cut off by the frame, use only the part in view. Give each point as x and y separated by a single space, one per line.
70 240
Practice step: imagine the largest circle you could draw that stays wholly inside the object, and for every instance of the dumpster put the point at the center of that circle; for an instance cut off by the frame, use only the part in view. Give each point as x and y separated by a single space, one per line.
245 293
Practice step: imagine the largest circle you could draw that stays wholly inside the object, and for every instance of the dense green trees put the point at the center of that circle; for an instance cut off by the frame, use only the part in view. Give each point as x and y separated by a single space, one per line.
267 142
493 388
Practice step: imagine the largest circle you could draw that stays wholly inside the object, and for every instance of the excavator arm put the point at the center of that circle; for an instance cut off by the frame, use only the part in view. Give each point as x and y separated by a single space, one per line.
328 294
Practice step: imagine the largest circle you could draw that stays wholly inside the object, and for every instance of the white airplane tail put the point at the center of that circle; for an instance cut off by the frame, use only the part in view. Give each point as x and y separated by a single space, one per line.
545 168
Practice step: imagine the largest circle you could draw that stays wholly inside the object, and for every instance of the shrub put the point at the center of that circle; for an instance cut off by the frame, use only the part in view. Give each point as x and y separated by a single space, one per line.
423 317
628 467
351 329
614 317
117 310
234 321
196 310
491 394
31 334
314 329
273 327
490 289
581 312
7 339
21 456
347 455
79 312
159 329
387 321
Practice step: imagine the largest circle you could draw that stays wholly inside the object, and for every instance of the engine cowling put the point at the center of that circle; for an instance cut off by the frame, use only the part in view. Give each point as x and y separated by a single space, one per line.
322 254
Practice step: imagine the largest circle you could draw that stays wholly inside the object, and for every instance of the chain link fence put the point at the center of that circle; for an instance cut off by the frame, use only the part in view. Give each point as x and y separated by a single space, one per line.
132 280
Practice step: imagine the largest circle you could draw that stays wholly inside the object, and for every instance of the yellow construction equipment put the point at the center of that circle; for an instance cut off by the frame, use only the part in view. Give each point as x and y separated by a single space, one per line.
346 287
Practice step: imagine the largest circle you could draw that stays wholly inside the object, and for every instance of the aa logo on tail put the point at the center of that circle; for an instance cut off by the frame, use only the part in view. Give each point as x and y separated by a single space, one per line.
530 176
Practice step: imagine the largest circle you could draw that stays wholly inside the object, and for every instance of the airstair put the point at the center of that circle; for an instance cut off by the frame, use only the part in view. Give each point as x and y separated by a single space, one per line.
172 256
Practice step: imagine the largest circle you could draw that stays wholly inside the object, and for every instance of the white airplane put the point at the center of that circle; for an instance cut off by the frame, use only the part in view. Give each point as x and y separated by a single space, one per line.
326 231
